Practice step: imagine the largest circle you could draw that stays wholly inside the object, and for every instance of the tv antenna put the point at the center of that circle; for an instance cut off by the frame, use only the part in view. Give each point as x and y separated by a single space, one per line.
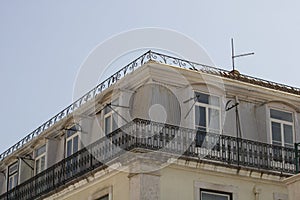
236 56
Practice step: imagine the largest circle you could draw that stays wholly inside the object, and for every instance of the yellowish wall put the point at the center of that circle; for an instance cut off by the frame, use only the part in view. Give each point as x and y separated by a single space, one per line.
181 182
119 183
178 183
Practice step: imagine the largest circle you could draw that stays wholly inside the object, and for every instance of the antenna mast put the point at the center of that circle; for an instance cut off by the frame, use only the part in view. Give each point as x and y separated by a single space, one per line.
236 56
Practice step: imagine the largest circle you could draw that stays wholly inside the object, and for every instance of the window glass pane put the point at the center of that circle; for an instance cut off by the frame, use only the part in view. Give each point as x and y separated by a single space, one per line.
214 119
107 109
69 147
277 114
276 132
43 163
40 150
75 144
13 168
107 125
213 100
115 122
214 196
207 99
288 134
37 166
15 180
10 184
70 132
200 116
12 176
202 98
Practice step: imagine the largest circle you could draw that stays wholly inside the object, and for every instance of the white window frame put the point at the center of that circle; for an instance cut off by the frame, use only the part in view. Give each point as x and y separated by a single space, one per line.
71 138
282 123
102 193
13 178
113 117
207 107
199 140
100 198
38 158
214 187
216 193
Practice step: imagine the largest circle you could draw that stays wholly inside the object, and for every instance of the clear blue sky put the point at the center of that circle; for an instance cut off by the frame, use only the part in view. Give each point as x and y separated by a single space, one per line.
43 44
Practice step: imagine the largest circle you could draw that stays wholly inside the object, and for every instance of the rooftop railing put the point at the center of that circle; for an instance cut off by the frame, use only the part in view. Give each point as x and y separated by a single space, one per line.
148 136
150 55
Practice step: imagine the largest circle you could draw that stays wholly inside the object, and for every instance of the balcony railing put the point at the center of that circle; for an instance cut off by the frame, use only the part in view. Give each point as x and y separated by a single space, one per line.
147 136
146 57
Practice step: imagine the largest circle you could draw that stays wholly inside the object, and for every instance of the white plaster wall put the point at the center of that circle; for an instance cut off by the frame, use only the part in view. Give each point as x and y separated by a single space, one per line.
25 169
3 182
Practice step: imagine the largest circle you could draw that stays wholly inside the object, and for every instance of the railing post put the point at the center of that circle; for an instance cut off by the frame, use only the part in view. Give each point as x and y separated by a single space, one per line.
238 151
53 178
297 157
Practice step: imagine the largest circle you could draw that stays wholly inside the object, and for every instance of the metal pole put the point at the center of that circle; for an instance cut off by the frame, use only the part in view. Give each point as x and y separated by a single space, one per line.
232 54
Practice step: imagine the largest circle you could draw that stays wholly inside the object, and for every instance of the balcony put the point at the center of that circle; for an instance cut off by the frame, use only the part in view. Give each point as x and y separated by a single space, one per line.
142 136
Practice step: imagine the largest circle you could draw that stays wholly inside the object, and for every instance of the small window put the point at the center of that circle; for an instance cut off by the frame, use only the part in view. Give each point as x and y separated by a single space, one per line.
13 176
110 118
103 197
214 195
207 99
40 159
207 116
282 128
72 141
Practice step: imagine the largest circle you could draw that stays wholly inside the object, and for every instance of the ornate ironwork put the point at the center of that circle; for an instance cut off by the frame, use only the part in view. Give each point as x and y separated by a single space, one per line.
149 135
148 56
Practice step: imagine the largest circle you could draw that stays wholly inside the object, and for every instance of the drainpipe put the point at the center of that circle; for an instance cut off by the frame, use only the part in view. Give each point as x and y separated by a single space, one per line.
238 128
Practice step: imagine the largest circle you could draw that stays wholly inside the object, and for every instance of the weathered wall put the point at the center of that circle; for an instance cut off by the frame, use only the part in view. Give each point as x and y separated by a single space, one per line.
293 185
183 183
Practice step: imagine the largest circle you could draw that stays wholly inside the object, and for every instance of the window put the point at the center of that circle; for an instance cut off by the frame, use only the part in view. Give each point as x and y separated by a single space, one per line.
282 128
103 197
40 159
72 141
72 146
13 176
110 118
206 191
214 195
207 115
102 194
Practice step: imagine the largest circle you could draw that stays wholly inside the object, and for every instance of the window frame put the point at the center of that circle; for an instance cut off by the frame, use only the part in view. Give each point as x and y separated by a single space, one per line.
14 176
114 118
216 187
207 107
103 192
39 157
202 131
215 192
102 197
282 123
71 138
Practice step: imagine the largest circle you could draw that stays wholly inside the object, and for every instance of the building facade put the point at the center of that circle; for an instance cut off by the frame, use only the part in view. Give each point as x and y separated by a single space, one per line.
164 128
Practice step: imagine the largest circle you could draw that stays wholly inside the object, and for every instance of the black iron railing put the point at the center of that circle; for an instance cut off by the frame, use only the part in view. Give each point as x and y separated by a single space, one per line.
166 139
150 55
